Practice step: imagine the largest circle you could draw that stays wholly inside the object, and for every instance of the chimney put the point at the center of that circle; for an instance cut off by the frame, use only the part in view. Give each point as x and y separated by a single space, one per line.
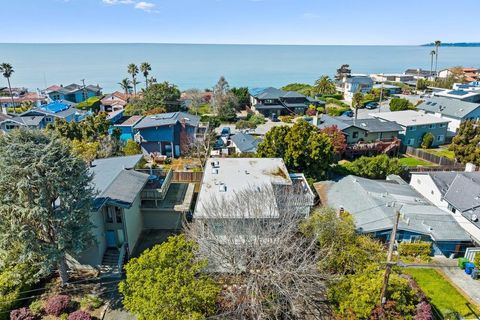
470 167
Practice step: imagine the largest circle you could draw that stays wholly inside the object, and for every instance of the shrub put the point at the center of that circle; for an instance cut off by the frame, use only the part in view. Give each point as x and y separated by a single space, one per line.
336 111
400 104
424 311
56 305
476 260
21 314
427 140
79 315
243 124
256 119
337 102
63 316
311 112
212 120
286 119
415 249
36 307
90 302
377 167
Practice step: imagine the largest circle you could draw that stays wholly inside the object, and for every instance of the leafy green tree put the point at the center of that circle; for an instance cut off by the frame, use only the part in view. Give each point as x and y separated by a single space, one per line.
466 144
126 85
244 124
337 137
226 111
131 148
242 96
342 72
344 250
45 197
427 140
145 68
7 70
357 101
356 296
85 150
166 282
302 88
274 145
132 69
161 96
400 104
374 167
325 85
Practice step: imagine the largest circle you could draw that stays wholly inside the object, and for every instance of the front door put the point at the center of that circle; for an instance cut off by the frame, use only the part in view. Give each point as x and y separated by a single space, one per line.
111 239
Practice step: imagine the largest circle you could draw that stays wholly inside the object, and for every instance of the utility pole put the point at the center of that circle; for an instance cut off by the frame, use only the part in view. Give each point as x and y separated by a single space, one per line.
84 90
381 96
388 269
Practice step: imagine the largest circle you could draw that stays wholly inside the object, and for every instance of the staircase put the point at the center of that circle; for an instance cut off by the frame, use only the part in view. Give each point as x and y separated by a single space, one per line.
109 265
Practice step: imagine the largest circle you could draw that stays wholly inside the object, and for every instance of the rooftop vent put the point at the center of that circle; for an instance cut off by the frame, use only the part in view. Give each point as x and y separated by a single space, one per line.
214 171
222 188
474 218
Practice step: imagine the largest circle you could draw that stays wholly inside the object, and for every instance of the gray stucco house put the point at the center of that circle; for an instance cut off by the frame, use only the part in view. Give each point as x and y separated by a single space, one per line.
415 125
373 205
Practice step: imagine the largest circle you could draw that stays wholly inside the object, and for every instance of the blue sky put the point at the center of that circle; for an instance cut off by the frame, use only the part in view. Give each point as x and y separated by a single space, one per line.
240 21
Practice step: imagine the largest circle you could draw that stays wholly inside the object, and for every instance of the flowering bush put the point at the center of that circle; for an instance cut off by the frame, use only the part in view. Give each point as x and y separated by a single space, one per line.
21 314
424 311
56 305
79 315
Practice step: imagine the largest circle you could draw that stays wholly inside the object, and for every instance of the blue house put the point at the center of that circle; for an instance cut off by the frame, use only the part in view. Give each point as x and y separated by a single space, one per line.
166 133
373 205
57 109
125 125
73 93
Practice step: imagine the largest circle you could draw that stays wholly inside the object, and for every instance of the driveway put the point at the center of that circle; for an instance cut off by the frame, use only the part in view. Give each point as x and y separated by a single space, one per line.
463 281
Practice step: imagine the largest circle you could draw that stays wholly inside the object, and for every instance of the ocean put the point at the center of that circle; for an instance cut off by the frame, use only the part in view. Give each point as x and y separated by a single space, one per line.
200 66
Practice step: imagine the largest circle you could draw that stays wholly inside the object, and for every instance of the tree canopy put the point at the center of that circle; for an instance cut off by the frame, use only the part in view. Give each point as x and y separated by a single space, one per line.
166 282
377 167
302 147
466 144
224 101
400 104
45 197
324 86
162 96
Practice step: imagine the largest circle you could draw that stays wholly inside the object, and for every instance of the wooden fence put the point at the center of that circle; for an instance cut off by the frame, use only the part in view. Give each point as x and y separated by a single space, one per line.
187 177
441 161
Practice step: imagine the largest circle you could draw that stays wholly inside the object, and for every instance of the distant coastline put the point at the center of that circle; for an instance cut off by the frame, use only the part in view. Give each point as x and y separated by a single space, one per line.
454 44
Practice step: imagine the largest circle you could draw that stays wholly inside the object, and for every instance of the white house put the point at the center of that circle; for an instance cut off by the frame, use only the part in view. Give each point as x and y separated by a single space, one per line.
452 110
455 192
353 84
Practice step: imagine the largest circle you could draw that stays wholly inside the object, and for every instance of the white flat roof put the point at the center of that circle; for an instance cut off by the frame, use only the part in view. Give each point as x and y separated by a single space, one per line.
232 175
409 118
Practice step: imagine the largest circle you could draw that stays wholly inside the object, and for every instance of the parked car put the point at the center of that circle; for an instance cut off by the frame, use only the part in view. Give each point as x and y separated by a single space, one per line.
348 113
225 132
371 105
274 118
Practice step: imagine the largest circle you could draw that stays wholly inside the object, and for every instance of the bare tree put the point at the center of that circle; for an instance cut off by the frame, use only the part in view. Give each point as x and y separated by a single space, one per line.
198 147
196 99
253 244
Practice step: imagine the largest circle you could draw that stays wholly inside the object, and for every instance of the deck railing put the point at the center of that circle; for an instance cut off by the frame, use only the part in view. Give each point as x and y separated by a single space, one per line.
158 193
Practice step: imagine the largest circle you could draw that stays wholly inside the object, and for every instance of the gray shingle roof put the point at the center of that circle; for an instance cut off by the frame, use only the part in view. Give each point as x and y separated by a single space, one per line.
245 142
369 202
30 120
449 107
370 125
164 119
327 121
125 187
464 191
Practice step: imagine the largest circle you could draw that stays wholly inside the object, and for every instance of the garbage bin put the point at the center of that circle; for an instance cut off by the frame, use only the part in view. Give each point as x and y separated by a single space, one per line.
475 274
462 262
469 267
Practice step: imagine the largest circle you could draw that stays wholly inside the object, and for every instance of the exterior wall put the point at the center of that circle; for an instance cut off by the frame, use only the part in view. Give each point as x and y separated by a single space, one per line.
365 136
424 184
94 254
161 219
417 134
133 223
164 133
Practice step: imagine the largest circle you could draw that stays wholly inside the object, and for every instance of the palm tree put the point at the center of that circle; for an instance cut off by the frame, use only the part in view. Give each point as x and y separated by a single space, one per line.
6 69
325 85
432 54
145 68
438 43
135 82
126 85
356 102
133 70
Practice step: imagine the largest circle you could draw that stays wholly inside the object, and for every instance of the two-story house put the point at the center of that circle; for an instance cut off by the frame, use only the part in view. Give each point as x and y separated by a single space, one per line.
166 134
272 102
353 84
114 101
74 92
415 124
453 110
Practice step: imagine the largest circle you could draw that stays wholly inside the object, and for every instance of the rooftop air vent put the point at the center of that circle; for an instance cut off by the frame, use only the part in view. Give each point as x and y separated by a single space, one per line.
214 171
222 188
474 218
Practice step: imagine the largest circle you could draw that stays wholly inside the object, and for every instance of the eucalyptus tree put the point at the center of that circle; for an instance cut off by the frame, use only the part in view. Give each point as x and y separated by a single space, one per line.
133 71
7 70
145 68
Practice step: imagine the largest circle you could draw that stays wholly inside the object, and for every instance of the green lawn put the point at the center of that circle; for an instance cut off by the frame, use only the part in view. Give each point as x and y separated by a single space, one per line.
201 110
413 162
441 152
442 294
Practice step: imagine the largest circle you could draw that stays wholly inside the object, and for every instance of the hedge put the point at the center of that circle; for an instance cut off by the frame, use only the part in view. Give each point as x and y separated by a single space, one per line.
415 249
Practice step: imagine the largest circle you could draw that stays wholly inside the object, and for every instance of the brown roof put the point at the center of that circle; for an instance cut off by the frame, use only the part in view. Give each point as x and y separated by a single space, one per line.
29 96
131 121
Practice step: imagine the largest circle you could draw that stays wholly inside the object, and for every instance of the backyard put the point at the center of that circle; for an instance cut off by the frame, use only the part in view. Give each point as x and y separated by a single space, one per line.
441 294
414 162
441 152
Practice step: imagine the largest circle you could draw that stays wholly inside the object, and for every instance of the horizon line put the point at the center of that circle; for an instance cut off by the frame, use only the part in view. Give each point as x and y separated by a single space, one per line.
225 44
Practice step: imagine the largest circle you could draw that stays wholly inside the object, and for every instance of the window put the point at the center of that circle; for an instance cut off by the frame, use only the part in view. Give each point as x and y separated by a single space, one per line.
109 215
355 134
412 128
10 126
443 125
415 238
48 119
411 142
432 126
440 138
118 215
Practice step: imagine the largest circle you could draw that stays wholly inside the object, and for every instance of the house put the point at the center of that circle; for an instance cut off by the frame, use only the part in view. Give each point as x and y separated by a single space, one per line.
468 74
419 73
452 110
457 193
388 88
353 84
130 205
8 123
244 143
125 124
57 110
373 205
114 101
415 125
273 102
166 133
73 93
20 96
459 94
224 178
392 77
